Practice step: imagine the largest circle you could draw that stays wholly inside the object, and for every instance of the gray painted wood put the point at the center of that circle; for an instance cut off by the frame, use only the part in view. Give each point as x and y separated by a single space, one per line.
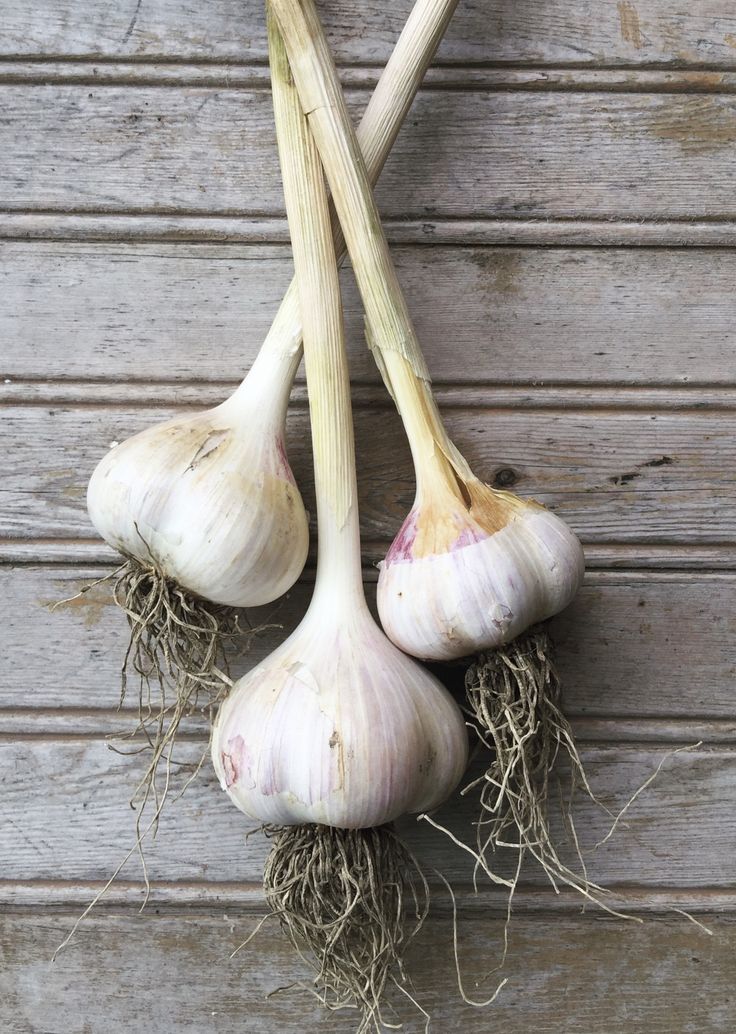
65 817
178 978
497 315
578 366
631 646
617 475
493 30
469 154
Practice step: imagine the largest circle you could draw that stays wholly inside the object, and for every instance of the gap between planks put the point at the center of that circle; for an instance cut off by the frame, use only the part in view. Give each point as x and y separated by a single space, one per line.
29 391
604 731
161 226
247 898
570 78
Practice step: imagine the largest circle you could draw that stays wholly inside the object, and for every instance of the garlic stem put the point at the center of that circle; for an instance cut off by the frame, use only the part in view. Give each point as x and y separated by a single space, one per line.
328 383
376 134
391 331
471 567
265 390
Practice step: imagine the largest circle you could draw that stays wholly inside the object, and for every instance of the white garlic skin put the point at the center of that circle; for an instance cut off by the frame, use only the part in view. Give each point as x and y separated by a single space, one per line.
211 501
482 591
338 727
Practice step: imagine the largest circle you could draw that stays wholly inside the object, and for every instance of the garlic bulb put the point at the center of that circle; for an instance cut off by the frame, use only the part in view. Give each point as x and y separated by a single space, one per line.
339 727
477 574
210 500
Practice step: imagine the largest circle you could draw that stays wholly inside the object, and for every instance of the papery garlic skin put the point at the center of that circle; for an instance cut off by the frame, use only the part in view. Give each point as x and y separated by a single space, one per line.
210 499
485 589
338 727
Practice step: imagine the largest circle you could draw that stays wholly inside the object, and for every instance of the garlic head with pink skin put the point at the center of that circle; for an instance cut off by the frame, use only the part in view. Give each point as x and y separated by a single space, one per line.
471 570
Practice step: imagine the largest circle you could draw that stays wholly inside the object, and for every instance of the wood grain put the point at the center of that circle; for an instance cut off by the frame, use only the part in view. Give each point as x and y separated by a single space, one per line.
648 31
65 817
591 981
514 315
464 154
616 475
144 250
631 646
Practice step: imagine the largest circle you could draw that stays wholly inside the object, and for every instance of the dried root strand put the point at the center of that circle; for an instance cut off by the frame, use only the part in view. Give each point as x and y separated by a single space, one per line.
513 695
177 650
350 901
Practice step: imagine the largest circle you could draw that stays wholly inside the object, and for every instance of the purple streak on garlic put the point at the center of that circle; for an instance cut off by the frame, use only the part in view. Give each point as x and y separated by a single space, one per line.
210 499
480 587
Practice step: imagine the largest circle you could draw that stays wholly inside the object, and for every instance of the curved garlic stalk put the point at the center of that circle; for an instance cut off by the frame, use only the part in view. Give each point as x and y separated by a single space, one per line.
204 508
337 727
471 567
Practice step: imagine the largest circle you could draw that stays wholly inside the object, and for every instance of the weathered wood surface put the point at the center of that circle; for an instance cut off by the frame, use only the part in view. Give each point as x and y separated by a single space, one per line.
65 816
616 475
632 645
601 376
629 33
179 977
472 154
178 312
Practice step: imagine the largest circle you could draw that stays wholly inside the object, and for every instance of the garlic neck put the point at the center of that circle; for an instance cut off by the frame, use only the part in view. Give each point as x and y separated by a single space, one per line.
441 471
263 395
338 587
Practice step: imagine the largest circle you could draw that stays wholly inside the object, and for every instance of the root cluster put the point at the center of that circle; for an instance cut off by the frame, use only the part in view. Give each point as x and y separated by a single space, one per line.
350 901
513 695
177 651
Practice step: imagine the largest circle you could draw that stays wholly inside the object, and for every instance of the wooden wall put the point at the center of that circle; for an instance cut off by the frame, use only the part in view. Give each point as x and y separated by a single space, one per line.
561 203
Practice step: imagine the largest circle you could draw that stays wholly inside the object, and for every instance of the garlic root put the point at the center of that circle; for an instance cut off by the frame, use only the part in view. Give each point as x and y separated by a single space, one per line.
513 695
342 897
178 652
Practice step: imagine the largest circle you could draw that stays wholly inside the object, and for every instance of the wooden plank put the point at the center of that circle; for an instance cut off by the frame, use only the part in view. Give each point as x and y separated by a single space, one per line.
632 645
647 31
65 817
566 976
174 898
543 155
76 723
516 315
617 476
